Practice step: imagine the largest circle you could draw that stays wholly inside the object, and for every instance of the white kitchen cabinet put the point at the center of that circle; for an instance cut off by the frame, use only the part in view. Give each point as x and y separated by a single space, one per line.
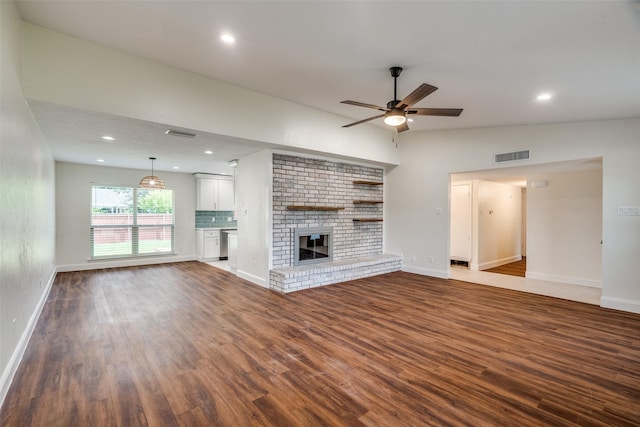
207 244
214 193
225 195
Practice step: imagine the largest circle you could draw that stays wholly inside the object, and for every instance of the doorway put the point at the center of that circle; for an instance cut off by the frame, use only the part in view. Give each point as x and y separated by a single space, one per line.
560 227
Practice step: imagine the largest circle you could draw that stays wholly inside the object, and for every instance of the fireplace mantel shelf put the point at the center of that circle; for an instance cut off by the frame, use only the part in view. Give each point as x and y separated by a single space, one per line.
360 182
314 208
367 202
367 220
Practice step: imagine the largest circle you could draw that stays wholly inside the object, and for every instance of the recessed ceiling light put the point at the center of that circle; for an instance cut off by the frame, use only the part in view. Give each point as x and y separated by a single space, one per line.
228 38
108 138
208 152
100 160
176 167
544 97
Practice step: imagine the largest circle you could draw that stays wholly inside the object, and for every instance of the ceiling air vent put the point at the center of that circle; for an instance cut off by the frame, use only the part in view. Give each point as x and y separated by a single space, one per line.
179 133
509 157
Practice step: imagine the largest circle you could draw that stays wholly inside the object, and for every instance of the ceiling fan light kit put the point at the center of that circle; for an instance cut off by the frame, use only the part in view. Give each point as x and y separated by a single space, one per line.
394 117
395 114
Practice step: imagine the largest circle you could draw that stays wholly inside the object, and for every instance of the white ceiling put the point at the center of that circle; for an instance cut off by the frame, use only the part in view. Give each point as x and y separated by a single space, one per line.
489 57
75 136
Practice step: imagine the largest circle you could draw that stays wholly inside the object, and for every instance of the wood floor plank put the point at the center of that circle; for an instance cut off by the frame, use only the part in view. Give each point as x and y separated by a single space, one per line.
517 268
187 344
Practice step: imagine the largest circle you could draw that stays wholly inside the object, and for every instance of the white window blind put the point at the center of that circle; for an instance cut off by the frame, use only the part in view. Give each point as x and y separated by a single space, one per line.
131 221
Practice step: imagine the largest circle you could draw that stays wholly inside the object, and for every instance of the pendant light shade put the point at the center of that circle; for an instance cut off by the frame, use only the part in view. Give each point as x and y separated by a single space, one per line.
152 181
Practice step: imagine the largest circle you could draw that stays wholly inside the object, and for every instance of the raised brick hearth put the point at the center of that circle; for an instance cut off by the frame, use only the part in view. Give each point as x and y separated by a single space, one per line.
290 279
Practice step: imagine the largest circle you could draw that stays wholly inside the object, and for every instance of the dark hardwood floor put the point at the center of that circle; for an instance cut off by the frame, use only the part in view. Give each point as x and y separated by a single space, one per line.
187 344
517 268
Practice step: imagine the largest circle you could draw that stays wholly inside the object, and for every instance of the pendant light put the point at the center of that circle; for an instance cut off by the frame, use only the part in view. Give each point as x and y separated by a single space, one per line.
152 181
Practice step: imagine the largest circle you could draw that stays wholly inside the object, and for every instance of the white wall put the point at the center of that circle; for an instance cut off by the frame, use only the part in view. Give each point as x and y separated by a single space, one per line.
565 228
69 71
254 206
498 212
26 206
523 226
420 185
73 209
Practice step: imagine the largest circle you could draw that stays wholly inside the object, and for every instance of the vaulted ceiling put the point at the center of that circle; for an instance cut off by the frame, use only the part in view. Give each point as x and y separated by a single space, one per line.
491 58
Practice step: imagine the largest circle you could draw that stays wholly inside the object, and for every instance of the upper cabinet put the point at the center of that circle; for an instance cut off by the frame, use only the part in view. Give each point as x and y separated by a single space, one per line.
214 192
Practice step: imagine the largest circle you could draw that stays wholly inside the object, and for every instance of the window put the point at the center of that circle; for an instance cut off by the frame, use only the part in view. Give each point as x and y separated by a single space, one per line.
130 222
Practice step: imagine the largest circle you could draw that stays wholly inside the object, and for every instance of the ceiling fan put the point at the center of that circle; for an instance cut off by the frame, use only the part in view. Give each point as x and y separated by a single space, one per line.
396 112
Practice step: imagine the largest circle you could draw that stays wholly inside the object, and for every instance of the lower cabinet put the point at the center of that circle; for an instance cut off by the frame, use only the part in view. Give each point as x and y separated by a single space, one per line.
207 244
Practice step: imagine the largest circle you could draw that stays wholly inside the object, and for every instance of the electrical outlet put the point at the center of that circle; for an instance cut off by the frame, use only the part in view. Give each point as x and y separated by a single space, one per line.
229 219
430 260
213 219
413 257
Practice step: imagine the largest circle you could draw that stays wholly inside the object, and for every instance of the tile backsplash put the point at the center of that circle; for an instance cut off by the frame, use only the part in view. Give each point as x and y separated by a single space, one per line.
204 219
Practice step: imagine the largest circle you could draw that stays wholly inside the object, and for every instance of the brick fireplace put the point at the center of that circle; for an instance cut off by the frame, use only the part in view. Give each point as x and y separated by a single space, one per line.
314 194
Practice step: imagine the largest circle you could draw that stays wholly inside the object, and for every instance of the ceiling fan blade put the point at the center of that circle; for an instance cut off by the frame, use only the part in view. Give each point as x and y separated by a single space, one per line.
446 112
422 91
402 127
363 121
362 104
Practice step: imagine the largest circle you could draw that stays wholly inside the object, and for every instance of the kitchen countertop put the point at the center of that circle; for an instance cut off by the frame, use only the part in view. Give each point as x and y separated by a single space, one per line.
216 228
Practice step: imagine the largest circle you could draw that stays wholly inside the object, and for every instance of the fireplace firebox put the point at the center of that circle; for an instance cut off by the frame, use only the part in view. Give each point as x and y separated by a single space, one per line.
313 245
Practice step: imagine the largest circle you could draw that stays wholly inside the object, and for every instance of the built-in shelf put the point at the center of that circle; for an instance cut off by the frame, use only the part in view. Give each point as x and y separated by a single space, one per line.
367 202
368 182
367 219
314 208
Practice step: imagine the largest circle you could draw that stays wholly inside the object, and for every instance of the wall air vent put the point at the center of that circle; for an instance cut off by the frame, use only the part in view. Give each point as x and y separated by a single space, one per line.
179 133
509 157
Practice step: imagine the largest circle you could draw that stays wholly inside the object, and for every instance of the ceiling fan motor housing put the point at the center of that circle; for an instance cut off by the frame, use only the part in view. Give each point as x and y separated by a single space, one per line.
392 104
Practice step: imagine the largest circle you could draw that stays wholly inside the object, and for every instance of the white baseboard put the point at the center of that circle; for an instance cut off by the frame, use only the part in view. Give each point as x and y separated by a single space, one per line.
14 362
442 274
125 262
620 304
581 281
496 263
252 278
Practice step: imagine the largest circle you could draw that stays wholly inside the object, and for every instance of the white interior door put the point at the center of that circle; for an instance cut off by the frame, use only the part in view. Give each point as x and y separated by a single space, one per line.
460 222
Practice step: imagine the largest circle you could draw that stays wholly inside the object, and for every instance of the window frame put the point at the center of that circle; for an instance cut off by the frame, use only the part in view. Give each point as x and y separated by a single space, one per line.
134 227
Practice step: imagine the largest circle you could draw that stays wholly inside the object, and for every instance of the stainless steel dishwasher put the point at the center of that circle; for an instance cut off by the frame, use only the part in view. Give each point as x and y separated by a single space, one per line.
224 243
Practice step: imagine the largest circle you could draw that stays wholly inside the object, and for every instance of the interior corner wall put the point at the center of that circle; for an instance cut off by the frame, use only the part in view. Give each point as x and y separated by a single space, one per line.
73 208
253 209
27 232
569 206
417 191
499 221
